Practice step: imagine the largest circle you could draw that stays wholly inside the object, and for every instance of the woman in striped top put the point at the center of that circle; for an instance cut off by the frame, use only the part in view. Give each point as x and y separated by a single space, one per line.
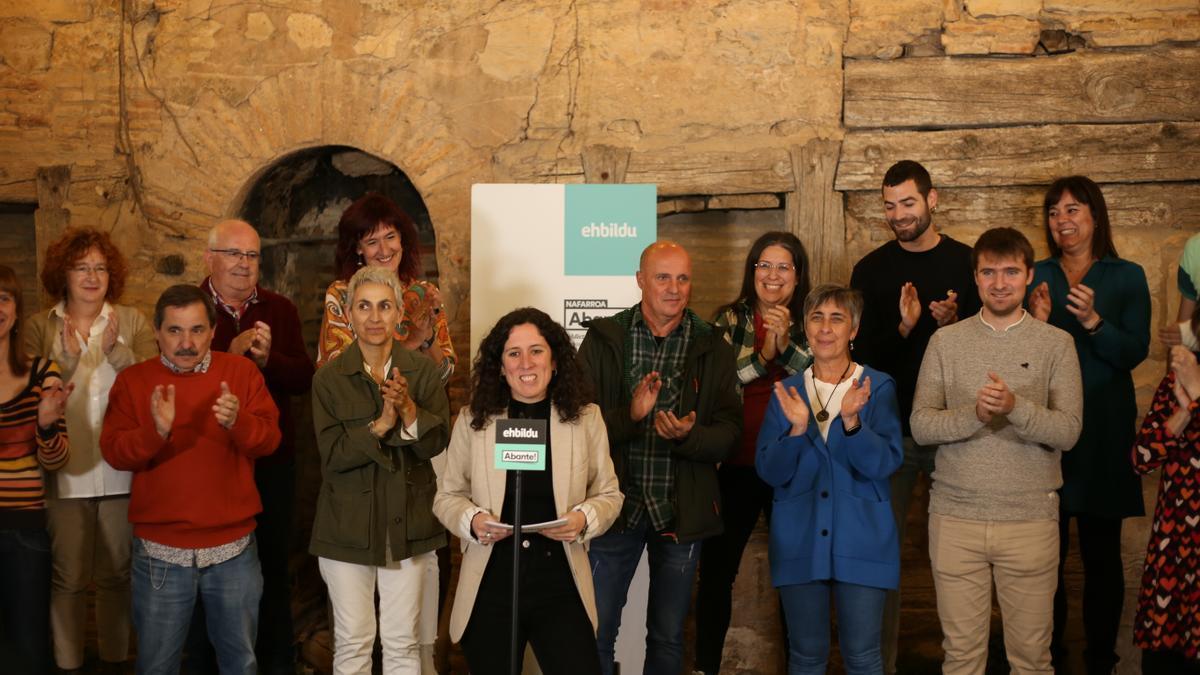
33 439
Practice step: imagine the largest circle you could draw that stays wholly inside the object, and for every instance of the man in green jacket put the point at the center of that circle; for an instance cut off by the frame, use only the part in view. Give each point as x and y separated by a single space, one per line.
665 382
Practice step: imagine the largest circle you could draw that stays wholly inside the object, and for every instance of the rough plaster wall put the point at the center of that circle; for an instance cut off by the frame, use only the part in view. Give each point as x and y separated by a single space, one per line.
455 92
452 92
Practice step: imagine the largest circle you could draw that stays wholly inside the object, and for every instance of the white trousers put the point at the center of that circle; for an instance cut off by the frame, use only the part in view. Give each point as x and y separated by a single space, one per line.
401 587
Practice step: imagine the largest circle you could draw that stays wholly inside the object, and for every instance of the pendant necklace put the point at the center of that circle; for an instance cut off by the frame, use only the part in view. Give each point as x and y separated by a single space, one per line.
823 414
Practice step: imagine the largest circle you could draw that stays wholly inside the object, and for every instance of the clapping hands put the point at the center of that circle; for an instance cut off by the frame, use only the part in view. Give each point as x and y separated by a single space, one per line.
53 402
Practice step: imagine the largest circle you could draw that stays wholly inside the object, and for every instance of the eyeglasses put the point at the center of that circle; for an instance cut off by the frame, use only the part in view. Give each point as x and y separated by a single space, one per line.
782 268
236 255
85 270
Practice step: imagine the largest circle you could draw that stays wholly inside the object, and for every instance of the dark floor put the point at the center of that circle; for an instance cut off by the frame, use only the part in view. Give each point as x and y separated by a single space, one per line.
754 645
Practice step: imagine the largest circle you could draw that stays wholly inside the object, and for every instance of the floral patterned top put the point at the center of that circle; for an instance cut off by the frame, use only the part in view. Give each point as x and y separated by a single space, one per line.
1168 610
420 298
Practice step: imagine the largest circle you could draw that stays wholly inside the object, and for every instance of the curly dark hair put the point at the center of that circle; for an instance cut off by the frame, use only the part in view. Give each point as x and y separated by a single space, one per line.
65 252
368 213
490 395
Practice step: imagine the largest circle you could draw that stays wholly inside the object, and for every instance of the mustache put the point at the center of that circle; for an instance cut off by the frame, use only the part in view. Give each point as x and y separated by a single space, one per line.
902 221
186 352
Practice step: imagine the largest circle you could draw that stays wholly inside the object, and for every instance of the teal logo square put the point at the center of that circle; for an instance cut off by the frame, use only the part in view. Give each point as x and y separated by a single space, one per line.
607 226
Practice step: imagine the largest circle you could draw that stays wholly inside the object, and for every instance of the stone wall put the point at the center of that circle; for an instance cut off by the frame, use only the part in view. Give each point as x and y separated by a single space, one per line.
153 119
160 115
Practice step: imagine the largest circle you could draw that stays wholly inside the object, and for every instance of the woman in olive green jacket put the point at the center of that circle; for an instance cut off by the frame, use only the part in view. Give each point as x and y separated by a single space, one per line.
380 414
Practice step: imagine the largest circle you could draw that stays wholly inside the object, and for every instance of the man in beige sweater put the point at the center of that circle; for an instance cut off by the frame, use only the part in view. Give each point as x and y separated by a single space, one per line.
1000 395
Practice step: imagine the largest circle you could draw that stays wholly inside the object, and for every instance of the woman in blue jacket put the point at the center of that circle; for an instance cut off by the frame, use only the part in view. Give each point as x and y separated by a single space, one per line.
829 443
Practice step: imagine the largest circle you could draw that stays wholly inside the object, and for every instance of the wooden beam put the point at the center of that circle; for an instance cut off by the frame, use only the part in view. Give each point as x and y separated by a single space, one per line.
681 171
749 201
1108 153
1130 207
1143 86
51 218
814 209
604 164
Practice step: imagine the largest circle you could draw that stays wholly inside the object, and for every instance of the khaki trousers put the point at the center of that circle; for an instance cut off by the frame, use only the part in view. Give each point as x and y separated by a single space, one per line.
90 542
1022 557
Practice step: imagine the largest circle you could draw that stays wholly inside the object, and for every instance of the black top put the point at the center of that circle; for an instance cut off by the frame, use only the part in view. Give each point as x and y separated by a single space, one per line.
543 560
880 275
537 487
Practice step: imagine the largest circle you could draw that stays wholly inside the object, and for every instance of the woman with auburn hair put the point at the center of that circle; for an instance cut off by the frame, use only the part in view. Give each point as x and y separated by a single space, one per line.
91 338
33 439
1103 302
765 327
375 232
526 369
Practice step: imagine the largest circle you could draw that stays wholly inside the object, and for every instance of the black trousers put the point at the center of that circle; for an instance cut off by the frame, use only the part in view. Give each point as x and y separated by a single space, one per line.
1168 663
743 496
552 616
1103 589
25 600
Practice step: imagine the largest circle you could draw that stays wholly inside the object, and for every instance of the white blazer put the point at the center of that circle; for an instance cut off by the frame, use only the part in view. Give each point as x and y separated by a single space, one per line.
584 480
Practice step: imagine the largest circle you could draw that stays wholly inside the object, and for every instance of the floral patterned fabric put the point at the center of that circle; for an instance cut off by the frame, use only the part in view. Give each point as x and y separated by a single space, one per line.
419 301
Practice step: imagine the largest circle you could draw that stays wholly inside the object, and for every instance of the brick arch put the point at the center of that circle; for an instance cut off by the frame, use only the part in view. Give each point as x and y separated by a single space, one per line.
205 157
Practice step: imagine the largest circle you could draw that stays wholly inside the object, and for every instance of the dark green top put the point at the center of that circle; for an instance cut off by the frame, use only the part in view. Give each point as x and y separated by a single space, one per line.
707 386
376 493
1098 478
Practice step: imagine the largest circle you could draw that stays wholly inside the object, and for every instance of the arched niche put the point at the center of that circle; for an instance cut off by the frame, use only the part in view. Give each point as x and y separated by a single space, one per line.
295 204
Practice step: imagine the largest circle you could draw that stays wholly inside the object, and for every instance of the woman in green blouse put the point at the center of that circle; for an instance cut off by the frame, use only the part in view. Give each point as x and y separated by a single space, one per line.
1103 301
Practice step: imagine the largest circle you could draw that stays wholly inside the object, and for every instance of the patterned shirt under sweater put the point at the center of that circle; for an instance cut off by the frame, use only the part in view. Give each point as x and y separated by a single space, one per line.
194 557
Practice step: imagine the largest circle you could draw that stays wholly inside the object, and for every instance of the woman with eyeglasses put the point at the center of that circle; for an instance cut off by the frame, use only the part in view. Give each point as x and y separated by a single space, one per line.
91 338
33 440
375 232
768 340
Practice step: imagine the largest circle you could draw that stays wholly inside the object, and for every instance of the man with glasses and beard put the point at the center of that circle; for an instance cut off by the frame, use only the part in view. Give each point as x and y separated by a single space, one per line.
913 285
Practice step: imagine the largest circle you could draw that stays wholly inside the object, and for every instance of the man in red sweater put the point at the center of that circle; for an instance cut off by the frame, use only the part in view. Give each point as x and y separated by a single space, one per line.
189 425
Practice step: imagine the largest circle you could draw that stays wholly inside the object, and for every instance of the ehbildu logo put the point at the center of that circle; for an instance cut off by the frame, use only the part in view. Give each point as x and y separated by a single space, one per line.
520 432
609 231
521 444
605 228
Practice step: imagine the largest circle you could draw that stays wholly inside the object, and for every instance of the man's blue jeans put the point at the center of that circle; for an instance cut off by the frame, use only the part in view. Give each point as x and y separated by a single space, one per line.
859 612
164 596
614 557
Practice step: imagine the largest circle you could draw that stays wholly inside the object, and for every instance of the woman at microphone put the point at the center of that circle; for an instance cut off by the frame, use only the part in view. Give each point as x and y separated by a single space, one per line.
526 368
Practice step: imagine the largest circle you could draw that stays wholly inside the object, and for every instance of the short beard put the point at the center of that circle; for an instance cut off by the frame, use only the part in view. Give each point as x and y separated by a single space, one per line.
923 224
